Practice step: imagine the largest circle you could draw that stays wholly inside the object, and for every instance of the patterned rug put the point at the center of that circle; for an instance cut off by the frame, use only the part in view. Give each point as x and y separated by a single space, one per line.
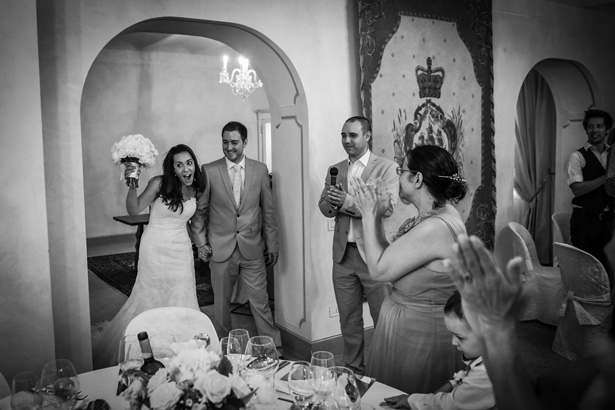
119 271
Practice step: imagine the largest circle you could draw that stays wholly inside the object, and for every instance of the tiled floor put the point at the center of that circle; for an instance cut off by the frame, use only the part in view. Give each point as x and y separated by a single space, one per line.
535 338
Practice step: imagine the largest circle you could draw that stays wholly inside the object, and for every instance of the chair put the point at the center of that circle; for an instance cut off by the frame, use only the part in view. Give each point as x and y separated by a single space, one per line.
561 227
543 290
586 310
181 322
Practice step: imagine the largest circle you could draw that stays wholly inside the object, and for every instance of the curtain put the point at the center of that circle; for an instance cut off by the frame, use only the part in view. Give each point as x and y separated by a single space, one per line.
534 153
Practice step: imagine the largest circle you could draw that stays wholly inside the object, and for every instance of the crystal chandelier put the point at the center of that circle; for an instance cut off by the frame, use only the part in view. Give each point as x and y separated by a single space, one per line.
243 80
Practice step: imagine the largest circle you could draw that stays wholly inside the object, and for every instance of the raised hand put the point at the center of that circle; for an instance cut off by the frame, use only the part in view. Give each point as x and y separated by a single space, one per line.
489 297
371 199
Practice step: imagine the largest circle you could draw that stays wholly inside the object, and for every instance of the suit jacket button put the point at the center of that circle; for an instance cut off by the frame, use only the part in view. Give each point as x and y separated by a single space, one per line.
237 231
237 215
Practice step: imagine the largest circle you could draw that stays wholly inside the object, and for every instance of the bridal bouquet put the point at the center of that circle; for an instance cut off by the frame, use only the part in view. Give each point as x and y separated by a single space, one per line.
135 149
198 379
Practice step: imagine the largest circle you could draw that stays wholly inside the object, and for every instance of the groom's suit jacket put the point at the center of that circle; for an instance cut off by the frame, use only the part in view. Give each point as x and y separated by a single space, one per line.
348 213
218 221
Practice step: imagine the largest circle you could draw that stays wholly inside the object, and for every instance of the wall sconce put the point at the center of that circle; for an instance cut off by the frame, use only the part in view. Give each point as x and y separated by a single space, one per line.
243 80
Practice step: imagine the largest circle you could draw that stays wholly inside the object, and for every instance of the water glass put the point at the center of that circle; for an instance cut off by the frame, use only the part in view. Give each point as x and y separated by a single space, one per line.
59 384
299 385
162 347
129 354
25 394
243 337
231 348
322 380
346 391
264 356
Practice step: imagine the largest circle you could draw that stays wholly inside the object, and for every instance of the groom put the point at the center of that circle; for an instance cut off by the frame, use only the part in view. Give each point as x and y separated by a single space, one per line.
234 227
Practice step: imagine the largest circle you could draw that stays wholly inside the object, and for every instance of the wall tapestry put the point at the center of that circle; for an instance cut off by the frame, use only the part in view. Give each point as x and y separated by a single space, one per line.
427 78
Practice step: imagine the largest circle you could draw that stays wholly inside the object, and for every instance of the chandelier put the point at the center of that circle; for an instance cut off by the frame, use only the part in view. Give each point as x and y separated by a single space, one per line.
243 80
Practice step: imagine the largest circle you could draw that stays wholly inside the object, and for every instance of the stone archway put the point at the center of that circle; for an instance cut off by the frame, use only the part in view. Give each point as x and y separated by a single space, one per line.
65 61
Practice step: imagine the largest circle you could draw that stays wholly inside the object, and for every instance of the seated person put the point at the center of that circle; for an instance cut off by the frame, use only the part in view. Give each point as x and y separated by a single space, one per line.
470 388
490 300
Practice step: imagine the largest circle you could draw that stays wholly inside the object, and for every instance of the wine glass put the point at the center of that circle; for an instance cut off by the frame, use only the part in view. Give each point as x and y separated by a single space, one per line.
161 347
129 355
59 384
323 380
25 394
231 348
265 356
299 385
243 337
346 391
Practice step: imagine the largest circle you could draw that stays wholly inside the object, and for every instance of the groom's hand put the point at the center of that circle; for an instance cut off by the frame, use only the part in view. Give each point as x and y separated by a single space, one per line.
271 258
204 252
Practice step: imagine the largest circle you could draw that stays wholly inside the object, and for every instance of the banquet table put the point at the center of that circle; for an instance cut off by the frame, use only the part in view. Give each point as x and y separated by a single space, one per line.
102 384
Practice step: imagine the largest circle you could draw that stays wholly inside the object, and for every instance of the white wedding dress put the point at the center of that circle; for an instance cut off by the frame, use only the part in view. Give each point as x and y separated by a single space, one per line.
165 276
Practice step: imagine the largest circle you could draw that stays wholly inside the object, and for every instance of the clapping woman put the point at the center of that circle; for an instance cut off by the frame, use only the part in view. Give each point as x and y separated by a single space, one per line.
165 273
411 348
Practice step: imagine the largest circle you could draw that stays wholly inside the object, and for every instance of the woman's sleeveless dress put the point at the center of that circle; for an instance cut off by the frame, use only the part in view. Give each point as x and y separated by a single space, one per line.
411 349
165 275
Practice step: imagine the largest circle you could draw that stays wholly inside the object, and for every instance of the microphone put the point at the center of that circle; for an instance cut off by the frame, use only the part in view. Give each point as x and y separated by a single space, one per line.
333 173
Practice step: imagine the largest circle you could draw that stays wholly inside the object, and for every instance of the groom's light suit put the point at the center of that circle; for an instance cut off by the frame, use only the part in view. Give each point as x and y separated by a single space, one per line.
238 237
350 274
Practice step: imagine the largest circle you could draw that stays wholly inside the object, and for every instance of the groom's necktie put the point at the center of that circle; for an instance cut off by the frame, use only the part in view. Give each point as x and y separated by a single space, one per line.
237 184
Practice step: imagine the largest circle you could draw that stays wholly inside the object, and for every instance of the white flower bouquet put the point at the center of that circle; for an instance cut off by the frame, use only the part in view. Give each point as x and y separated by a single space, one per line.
135 149
197 379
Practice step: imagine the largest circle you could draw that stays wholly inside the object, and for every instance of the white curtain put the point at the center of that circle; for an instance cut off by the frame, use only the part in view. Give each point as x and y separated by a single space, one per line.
534 153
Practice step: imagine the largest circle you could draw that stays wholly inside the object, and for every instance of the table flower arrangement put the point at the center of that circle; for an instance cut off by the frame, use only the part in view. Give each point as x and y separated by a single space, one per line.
135 149
198 379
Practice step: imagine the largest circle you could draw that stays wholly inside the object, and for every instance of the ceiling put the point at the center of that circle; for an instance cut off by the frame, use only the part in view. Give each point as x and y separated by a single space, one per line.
207 47
601 6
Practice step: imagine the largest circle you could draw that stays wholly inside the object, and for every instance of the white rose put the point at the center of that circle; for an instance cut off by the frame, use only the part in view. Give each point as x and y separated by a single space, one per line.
239 385
165 396
157 380
214 386
266 395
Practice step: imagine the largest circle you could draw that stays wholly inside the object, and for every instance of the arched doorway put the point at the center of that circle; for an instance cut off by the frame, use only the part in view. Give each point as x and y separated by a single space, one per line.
550 111
63 139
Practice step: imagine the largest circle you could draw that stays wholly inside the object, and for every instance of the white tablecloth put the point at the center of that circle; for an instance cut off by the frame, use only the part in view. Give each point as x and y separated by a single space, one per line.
102 384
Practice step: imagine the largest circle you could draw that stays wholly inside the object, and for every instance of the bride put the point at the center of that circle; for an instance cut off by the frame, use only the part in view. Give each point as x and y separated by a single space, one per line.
165 272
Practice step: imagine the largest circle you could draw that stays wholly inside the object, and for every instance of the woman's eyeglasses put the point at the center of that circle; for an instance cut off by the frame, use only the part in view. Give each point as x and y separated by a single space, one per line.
400 171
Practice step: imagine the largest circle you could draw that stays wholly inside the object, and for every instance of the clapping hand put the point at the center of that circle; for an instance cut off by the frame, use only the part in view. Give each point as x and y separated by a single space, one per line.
371 199
489 297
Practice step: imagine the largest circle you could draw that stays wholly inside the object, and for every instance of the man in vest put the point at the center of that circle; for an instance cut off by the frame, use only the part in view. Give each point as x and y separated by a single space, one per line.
591 224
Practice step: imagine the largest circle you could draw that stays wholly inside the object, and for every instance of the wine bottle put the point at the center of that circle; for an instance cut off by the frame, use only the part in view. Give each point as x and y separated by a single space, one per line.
150 364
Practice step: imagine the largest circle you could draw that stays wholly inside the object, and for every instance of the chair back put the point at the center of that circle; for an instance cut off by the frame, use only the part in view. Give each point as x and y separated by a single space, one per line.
5 389
561 227
582 273
181 322
509 244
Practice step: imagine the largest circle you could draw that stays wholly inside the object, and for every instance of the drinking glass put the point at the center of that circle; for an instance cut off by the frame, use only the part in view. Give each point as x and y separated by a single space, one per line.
346 391
243 337
231 348
322 380
59 384
161 347
25 394
202 340
299 385
129 355
264 356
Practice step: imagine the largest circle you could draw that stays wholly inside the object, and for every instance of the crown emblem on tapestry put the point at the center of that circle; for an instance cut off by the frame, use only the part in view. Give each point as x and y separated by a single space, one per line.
429 80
